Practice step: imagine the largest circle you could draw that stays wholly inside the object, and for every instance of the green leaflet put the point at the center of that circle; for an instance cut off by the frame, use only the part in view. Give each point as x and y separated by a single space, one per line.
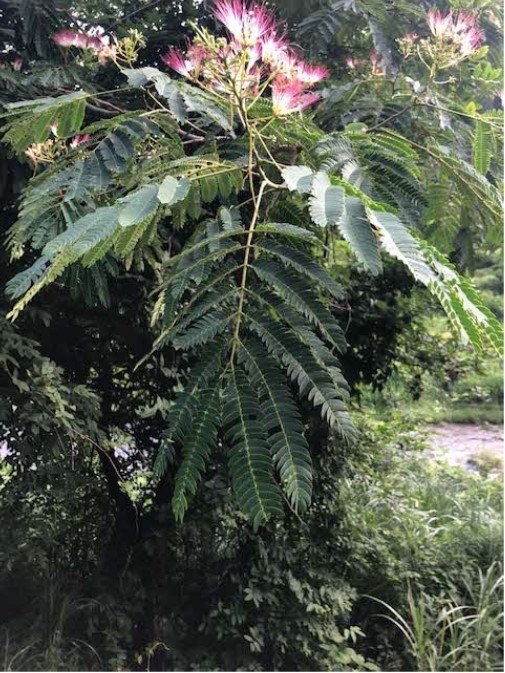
138 206
197 446
312 381
301 298
282 421
303 264
460 301
482 147
399 242
326 204
172 191
97 224
355 229
298 178
250 464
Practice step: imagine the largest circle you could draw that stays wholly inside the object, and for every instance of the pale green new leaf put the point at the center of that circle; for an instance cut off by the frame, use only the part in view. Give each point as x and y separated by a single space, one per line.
326 204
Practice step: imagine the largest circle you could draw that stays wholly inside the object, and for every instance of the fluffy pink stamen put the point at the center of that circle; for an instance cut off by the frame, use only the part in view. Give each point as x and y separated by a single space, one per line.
247 24
311 74
288 98
69 38
175 60
460 29
273 49
78 140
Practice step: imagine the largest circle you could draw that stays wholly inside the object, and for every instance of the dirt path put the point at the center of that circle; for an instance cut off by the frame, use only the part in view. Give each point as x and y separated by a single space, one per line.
459 444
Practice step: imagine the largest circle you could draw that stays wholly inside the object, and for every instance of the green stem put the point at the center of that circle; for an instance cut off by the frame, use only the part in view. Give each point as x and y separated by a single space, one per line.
245 267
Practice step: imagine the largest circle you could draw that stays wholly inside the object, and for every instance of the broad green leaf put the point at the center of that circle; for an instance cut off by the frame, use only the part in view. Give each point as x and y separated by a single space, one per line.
172 190
326 204
298 178
138 206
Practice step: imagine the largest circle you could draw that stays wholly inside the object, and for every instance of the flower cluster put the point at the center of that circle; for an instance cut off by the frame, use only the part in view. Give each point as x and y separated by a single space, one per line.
254 56
360 65
47 151
104 46
93 39
460 30
454 37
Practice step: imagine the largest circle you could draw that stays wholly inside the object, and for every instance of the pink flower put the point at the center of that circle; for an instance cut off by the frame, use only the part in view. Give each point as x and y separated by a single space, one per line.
351 62
253 55
290 97
107 52
65 38
410 38
470 41
287 66
5 451
78 140
374 58
197 54
175 60
17 63
311 74
54 129
247 24
440 24
69 38
273 49
94 42
461 29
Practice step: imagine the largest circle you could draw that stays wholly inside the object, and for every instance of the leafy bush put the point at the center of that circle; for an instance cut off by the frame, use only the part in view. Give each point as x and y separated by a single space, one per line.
385 522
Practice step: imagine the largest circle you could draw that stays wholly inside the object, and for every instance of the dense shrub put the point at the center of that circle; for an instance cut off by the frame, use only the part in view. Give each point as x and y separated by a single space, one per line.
211 594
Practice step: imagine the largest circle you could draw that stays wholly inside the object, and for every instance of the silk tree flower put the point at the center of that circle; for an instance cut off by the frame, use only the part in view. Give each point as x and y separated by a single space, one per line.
274 49
311 74
189 64
469 41
247 24
460 29
351 62
290 97
94 42
82 40
17 63
178 62
69 38
106 53
440 24
79 140
374 58
410 38
197 54
65 38
253 55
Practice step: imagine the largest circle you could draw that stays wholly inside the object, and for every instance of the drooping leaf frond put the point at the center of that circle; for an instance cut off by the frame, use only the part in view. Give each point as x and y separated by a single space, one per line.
249 456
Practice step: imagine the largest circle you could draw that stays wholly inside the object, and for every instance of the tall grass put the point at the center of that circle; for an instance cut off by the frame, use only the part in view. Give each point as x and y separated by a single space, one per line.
455 632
